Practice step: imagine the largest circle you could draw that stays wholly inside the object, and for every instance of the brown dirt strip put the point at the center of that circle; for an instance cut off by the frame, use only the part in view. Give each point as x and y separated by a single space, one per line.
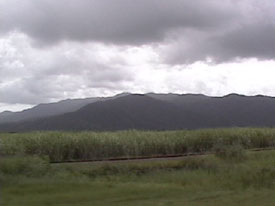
151 158
138 158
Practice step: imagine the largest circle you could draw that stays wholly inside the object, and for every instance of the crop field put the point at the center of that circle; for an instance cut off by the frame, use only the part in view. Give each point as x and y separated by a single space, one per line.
60 146
230 173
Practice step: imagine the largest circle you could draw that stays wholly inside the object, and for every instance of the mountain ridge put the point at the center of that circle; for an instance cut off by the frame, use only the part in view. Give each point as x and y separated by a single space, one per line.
50 109
153 111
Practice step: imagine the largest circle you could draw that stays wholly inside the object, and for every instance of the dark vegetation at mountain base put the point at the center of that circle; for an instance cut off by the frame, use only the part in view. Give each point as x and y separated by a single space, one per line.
148 112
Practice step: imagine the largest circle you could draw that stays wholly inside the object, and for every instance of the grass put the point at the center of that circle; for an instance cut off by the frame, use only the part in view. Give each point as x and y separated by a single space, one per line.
59 146
206 180
230 176
132 195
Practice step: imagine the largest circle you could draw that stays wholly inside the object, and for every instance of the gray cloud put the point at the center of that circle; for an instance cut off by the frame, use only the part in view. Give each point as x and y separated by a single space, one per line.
57 49
249 41
244 42
32 75
118 22
195 30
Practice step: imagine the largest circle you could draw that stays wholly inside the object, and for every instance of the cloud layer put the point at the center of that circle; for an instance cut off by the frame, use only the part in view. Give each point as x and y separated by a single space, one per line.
32 75
192 30
52 50
117 22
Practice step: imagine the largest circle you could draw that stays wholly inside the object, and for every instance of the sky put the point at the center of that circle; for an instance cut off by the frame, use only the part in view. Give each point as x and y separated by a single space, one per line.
52 50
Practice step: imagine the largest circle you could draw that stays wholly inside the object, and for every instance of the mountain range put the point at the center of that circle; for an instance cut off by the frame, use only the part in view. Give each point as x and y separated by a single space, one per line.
144 111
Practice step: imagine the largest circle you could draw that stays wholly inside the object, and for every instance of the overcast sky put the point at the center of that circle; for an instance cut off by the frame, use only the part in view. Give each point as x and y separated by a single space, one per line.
57 49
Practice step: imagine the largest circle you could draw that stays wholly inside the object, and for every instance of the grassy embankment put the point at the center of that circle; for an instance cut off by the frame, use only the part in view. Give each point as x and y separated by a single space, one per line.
232 176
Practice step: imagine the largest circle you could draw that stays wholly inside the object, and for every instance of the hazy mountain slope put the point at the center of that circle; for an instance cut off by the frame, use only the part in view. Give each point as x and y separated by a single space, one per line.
46 110
51 109
180 99
230 110
129 112
160 112
6 114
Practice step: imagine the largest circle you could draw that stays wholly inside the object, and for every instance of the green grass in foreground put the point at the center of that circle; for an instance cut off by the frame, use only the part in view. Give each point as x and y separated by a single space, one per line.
208 180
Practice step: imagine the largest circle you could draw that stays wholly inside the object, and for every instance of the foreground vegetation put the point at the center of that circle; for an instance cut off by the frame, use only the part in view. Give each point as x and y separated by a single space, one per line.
205 180
59 146
231 175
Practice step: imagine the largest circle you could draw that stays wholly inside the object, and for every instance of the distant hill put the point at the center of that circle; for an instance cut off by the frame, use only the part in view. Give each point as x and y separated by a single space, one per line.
156 112
46 110
227 111
50 109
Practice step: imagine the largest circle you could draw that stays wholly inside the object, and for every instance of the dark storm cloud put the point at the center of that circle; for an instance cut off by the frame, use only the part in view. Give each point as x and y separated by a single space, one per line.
118 22
248 41
194 30
251 35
